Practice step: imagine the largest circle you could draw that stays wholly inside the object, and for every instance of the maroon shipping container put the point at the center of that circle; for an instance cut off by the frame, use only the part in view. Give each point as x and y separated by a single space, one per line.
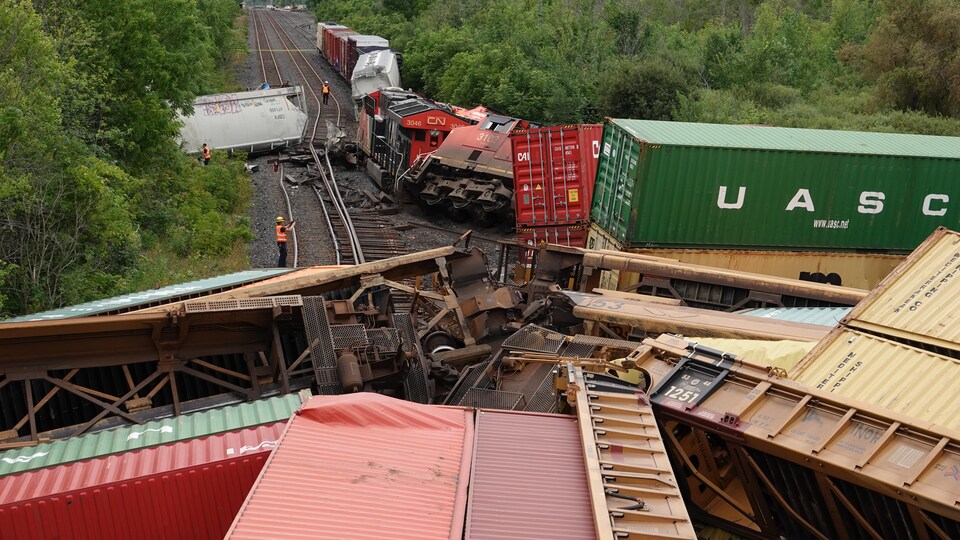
323 36
333 43
186 490
553 173
341 49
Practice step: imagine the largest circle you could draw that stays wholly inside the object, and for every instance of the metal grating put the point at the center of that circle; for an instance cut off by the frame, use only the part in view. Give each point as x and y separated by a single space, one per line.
468 379
544 399
237 304
347 335
482 398
416 385
535 339
321 345
604 342
327 376
408 333
386 339
578 350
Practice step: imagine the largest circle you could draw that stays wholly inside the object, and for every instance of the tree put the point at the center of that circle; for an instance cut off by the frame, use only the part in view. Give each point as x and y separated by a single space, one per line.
914 55
647 90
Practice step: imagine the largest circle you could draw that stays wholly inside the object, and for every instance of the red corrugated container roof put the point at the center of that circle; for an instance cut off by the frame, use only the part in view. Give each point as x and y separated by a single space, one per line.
185 490
363 466
528 479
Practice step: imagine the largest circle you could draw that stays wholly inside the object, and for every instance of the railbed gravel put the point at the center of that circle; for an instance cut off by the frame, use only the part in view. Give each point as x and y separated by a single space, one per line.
315 247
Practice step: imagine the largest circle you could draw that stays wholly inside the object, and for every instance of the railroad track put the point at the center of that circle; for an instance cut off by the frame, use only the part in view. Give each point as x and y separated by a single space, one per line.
268 64
357 237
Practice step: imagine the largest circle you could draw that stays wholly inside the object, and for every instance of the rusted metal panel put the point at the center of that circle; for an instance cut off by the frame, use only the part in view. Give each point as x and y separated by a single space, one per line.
921 384
856 270
190 489
919 300
516 487
799 451
363 465
659 317
647 265
633 490
318 280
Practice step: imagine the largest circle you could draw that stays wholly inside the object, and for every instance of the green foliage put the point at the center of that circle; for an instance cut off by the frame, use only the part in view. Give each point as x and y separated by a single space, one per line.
914 55
647 89
90 174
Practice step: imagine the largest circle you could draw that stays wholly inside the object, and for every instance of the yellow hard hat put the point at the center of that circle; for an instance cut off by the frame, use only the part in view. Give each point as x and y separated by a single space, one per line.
279 219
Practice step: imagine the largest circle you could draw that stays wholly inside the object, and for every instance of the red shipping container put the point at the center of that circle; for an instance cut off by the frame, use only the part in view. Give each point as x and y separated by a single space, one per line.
186 490
341 49
333 44
323 41
553 173
564 235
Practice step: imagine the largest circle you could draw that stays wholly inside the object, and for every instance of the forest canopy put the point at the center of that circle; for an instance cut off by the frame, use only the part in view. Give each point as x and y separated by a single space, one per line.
875 65
96 198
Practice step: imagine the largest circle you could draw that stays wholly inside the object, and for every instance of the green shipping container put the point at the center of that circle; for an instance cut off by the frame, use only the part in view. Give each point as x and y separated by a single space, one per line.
156 432
677 184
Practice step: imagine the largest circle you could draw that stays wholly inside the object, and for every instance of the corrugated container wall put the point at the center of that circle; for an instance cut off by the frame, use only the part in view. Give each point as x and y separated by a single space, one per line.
675 184
323 29
157 432
553 173
326 40
185 490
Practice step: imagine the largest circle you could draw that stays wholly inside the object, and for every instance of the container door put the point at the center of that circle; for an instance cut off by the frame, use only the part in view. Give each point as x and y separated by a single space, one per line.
615 185
529 156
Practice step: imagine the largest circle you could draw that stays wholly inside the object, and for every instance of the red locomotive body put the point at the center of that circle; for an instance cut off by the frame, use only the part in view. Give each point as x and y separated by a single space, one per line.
471 171
399 128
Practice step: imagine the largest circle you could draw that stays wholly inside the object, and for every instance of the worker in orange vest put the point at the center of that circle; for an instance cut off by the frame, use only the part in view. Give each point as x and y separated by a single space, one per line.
282 240
325 90
206 154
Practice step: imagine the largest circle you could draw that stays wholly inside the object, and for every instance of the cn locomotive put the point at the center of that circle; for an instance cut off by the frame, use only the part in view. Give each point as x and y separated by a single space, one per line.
445 156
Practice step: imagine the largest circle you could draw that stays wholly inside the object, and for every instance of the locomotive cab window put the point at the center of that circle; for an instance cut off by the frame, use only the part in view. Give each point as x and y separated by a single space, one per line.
499 124
419 136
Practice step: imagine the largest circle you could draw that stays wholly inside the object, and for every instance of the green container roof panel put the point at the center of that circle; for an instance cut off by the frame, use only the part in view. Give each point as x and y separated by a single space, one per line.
168 430
741 197
791 139
170 293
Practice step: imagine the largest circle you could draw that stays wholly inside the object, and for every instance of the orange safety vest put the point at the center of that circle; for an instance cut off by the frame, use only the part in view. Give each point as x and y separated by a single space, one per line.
281 234
206 153
325 89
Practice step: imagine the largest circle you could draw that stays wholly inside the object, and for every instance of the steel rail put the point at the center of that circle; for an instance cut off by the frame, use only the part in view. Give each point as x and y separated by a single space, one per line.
258 30
328 181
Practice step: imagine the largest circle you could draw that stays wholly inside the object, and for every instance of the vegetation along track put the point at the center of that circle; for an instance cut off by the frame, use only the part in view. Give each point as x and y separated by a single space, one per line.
365 235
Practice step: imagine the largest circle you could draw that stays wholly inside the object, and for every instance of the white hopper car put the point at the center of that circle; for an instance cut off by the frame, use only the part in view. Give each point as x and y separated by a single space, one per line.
374 71
255 121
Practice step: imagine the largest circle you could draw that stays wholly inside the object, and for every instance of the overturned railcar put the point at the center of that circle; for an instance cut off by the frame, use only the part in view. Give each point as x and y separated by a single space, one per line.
256 121
471 173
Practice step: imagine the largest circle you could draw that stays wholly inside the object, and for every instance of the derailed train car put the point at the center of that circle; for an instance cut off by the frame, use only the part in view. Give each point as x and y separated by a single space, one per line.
398 128
467 171
256 121
471 172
